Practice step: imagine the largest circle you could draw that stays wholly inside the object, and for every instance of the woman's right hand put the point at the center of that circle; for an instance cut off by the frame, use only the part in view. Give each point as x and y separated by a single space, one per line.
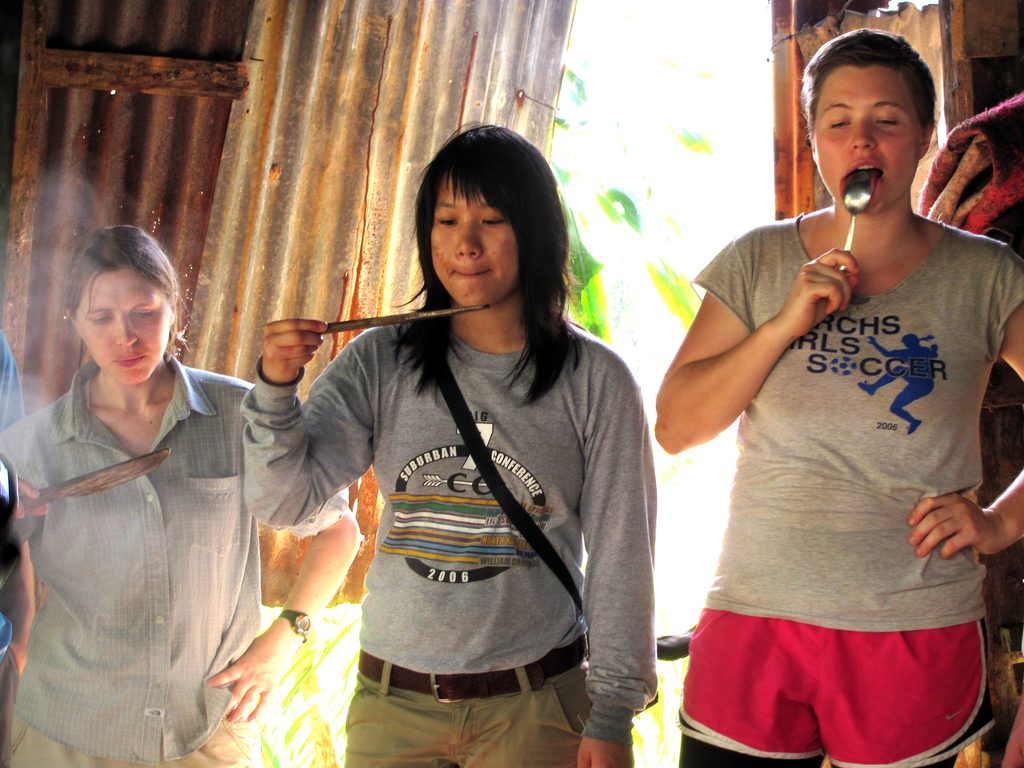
28 491
823 286
287 346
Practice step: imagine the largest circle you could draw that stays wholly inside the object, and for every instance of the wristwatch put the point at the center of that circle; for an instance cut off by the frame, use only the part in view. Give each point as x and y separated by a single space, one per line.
299 623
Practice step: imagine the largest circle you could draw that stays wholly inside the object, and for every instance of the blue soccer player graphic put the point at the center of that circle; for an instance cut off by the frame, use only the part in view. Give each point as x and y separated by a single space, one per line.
920 380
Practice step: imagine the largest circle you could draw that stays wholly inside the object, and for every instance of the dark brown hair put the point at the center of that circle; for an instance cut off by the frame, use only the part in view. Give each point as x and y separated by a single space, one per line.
124 247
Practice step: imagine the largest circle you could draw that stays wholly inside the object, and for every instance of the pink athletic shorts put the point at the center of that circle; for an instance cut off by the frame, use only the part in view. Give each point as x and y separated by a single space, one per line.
783 689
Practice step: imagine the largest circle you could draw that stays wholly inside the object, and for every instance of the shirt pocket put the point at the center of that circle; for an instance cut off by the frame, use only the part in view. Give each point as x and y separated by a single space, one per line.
212 519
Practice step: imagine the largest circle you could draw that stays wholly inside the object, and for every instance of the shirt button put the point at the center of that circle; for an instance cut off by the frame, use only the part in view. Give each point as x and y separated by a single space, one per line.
149 497
154 713
159 619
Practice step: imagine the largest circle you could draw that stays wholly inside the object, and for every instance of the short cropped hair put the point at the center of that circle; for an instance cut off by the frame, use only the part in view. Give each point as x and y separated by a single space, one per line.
864 48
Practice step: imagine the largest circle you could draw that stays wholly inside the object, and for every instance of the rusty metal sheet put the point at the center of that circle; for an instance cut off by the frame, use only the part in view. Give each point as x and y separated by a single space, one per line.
314 209
292 198
112 156
347 103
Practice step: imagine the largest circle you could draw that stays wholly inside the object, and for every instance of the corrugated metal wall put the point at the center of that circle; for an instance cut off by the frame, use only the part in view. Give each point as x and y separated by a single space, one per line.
314 210
107 156
347 102
308 210
290 195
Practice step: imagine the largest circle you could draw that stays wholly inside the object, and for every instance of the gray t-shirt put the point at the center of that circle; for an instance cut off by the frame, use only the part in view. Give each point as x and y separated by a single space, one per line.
874 408
453 586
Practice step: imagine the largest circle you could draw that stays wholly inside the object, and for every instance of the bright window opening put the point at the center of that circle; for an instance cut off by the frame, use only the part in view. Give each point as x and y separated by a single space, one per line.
664 147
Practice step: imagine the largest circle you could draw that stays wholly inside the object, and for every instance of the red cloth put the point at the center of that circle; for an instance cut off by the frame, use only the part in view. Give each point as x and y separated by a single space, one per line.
999 135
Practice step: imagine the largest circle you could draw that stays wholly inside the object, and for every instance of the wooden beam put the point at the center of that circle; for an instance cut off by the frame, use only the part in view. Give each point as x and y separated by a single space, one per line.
979 42
977 83
144 74
1002 435
29 119
794 166
984 28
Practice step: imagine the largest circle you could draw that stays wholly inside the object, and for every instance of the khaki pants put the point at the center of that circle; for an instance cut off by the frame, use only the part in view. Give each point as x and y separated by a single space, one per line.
231 746
388 728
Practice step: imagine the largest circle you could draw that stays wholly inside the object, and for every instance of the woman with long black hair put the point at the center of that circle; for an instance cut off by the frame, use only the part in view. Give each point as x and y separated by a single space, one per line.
472 650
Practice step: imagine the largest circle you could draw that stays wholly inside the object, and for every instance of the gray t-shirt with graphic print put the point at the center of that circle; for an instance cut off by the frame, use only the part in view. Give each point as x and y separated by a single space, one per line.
453 586
874 408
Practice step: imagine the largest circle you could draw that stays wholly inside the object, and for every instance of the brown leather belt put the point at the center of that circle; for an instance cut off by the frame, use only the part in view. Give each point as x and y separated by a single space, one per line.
478 685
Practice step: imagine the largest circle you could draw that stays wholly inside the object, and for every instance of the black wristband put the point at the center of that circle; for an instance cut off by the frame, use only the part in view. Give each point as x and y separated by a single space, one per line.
265 380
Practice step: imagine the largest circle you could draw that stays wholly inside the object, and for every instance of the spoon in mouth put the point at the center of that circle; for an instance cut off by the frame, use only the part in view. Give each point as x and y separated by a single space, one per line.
857 189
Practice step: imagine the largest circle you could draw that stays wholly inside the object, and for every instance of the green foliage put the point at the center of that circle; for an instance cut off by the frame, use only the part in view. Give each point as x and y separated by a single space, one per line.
656 737
694 142
312 700
573 88
610 227
620 207
619 214
587 301
675 290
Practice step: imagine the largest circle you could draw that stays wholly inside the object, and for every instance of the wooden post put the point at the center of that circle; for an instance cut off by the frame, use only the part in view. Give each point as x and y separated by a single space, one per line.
980 44
794 166
28 131
40 69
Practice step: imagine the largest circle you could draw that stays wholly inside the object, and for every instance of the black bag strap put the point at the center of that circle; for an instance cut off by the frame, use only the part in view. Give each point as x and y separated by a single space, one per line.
512 508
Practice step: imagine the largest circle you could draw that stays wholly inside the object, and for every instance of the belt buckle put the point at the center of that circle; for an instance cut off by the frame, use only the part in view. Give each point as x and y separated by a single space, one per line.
437 695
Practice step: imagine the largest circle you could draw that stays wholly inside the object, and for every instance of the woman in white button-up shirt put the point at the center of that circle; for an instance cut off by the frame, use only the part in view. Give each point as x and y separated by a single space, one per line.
153 589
